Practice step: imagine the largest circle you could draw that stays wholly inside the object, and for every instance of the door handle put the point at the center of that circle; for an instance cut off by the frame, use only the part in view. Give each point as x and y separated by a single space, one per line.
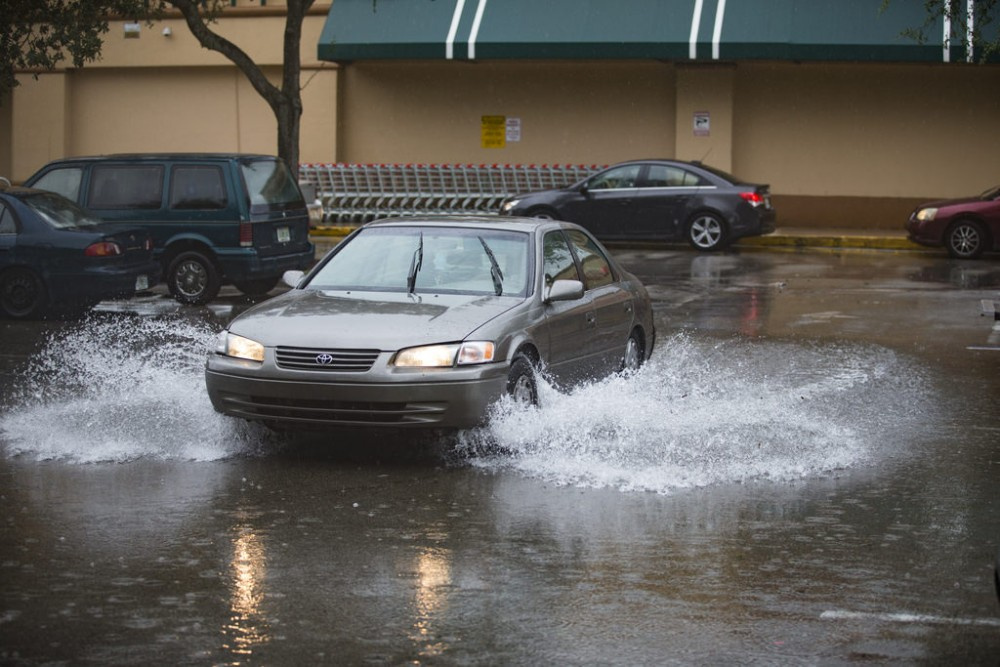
591 319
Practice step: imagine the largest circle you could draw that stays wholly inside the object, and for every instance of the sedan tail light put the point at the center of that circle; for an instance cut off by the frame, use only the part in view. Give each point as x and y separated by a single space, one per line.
103 249
753 198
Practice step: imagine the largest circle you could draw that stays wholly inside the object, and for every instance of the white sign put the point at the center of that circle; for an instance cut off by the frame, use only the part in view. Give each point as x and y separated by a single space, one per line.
702 124
513 129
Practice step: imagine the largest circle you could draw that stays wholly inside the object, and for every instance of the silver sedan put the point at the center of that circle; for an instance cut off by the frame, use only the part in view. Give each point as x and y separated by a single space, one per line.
425 322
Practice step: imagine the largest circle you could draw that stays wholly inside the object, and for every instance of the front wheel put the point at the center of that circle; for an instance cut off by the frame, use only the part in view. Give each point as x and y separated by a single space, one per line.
543 214
521 382
707 232
22 294
192 278
966 239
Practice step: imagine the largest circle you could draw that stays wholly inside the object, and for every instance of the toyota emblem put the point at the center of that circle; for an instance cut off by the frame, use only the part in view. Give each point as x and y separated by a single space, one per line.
324 359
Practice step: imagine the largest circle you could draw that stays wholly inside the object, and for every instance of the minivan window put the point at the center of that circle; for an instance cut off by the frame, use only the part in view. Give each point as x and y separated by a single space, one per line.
65 182
197 187
126 186
270 184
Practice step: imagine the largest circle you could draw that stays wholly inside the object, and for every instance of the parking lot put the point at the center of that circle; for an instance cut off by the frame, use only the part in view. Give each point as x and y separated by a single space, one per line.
805 472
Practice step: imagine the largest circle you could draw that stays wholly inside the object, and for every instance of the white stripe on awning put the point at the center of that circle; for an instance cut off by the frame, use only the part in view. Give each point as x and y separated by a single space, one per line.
695 25
449 45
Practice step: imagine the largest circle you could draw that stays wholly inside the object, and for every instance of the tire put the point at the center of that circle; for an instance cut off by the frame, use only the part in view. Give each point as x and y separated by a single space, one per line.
965 239
707 232
634 356
543 214
22 294
192 278
521 382
258 287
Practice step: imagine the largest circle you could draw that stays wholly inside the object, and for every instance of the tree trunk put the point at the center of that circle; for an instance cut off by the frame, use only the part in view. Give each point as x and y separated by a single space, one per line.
285 102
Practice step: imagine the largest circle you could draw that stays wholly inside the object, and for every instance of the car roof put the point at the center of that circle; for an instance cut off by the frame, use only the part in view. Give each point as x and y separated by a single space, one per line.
163 156
474 221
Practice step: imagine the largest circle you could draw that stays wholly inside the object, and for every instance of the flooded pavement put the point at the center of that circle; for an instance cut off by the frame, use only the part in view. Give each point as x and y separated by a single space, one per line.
806 472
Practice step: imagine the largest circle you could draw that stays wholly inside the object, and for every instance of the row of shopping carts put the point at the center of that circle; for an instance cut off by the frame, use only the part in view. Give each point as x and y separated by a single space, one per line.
357 193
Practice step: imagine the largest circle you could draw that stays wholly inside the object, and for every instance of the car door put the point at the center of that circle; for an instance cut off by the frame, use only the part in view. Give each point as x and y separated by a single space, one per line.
573 354
8 235
607 202
612 305
662 200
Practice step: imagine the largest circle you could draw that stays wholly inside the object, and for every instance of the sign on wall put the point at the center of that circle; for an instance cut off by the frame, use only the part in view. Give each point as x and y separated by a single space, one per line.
493 131
702 124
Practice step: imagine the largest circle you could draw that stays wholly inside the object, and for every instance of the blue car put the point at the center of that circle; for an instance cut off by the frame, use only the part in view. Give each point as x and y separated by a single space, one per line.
54 256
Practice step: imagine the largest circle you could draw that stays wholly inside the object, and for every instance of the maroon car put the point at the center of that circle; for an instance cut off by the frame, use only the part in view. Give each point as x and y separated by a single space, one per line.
966 227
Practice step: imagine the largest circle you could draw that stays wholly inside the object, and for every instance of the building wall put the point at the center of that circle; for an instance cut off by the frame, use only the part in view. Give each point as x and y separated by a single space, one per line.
580 113
163 91
842 145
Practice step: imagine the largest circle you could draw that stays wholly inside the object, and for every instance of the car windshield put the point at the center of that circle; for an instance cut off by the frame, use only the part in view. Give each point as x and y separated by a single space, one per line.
992 193
724 175
429 260
59 212
270 185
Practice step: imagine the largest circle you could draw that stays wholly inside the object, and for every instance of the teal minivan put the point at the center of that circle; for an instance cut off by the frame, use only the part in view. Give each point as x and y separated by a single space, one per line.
215 218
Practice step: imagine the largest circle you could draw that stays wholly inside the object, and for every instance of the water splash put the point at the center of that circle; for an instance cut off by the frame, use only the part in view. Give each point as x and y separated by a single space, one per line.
122 387
703 412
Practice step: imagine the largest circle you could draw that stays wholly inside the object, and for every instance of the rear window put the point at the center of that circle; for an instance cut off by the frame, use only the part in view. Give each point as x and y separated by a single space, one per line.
126 186
270 185
59 212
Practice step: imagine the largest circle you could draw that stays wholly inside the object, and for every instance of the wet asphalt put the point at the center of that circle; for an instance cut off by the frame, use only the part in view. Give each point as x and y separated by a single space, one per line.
806 472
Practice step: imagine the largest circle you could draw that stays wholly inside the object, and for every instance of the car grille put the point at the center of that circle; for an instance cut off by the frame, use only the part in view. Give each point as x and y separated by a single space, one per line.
316 359
319 412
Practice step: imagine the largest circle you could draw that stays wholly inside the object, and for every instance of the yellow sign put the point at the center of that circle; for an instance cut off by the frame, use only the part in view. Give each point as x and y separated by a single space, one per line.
494 131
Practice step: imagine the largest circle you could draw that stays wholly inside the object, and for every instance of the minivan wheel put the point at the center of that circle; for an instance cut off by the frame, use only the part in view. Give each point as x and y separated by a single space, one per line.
707 232
22 294
965 239
257 287
192 278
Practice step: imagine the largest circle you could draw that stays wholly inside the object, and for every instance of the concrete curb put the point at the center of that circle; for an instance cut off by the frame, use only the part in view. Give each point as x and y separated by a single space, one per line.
782 238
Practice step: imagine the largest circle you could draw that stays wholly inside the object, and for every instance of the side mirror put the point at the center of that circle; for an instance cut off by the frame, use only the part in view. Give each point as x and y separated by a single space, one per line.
565 290
292 278
585 189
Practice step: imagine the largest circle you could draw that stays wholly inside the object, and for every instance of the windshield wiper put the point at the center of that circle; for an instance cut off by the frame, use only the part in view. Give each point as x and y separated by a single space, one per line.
495 271
415 264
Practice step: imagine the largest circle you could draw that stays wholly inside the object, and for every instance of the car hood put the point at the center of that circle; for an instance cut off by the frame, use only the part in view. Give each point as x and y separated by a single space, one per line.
942 203
367 320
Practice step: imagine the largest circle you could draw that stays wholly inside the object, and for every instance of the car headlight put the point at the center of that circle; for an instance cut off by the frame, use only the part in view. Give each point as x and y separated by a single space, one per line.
441 356
926 214
509 205
239 347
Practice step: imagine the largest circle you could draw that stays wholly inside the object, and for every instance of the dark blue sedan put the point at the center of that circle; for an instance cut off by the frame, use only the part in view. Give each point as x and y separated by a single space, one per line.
54 256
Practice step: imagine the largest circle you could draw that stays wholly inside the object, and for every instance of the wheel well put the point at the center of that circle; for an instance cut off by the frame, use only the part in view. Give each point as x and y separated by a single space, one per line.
535 210
178 247
711 211
529 351
983 227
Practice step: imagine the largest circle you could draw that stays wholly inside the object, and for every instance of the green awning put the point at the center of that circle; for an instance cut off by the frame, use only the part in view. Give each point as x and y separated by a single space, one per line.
830 30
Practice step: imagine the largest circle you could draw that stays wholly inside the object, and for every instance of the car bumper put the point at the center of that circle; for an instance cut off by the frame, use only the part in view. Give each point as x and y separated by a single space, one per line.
244 265
100 283
926 233
451 398
754 222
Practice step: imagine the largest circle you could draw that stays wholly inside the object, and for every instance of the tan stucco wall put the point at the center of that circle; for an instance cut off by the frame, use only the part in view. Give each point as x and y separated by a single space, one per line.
166 92
840 144
579 113
866 130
